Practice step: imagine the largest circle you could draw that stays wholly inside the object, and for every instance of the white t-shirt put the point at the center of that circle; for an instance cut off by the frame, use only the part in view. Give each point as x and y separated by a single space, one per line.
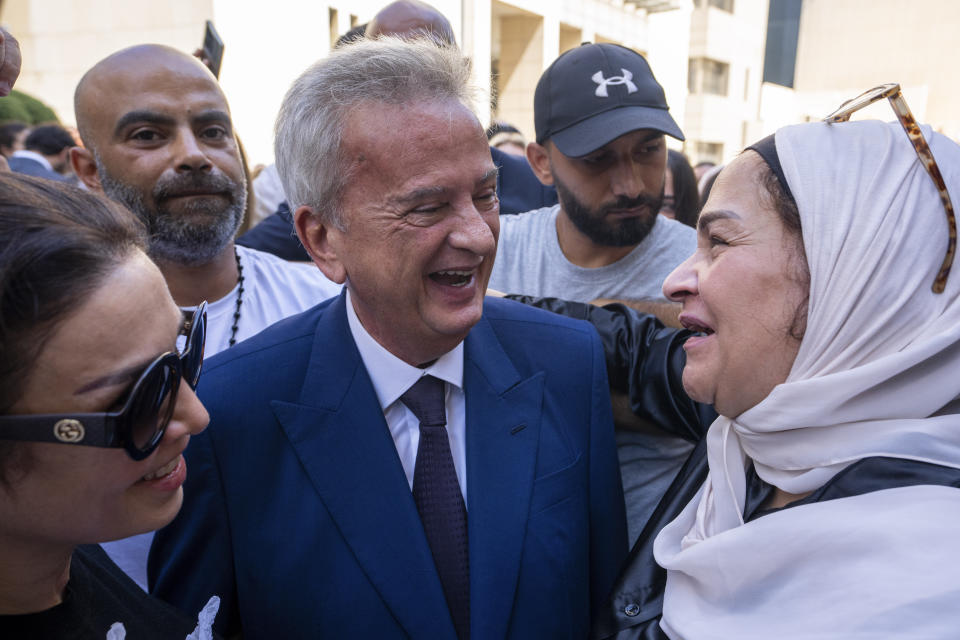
272 290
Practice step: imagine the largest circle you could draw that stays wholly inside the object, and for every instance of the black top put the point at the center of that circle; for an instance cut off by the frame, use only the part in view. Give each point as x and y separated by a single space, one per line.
863 476
98 595
274 234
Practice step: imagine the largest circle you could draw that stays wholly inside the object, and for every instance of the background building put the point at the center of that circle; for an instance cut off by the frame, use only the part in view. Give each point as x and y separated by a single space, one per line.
708 54
845 47
267 45
725 65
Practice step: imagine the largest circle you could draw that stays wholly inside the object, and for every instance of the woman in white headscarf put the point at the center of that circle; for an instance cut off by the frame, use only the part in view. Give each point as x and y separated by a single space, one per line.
831 508
867 399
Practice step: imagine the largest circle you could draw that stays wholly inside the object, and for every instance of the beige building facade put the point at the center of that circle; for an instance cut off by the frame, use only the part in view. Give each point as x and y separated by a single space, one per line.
267 45
725 73
848 46
708 54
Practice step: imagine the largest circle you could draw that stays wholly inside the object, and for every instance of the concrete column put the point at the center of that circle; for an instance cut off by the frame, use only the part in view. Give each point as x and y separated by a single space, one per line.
570 38
475 43
521 63
551 36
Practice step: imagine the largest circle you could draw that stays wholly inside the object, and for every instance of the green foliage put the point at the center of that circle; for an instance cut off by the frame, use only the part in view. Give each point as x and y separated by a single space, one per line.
25 108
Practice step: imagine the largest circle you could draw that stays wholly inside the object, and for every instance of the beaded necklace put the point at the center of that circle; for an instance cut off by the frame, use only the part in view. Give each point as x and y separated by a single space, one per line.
236 312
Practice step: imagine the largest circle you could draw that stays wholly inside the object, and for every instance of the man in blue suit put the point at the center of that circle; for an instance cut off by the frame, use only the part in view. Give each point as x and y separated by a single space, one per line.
408 460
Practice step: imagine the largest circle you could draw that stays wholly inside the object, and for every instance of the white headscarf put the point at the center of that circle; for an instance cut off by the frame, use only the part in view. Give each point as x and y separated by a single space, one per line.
877 374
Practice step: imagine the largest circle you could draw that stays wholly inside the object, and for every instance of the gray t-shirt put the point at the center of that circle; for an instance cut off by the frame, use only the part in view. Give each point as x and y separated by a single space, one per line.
530 261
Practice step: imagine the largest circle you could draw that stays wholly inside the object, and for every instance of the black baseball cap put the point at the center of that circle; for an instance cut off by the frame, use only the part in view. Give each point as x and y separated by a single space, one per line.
596 93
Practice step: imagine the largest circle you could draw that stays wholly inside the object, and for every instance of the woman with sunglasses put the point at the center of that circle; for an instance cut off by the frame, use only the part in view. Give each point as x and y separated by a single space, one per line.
822 315
96 407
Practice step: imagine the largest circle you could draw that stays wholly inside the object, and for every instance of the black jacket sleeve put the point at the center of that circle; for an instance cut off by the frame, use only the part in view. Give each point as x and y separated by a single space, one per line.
645 360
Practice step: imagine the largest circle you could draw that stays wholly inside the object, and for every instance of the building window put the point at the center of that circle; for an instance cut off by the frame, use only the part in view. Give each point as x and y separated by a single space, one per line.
783 32
708 76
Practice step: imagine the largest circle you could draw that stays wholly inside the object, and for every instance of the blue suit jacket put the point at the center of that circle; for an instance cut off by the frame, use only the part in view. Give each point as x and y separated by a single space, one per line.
30 167
298 513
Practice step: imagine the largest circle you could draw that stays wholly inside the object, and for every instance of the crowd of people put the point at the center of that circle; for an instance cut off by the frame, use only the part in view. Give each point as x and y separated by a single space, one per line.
459 384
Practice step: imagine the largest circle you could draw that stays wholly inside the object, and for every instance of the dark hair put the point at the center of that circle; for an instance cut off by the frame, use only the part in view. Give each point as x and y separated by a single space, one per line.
353 35
9 132
49 140
57 245
777 198
500 127
686 197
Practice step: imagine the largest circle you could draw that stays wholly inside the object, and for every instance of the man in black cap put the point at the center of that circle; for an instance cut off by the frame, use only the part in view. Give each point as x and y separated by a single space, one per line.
600 119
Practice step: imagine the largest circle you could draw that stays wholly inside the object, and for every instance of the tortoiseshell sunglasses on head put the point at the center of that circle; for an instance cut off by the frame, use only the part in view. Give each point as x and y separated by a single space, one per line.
895 96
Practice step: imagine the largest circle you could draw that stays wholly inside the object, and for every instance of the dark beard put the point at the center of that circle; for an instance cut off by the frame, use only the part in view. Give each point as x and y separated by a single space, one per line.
594 225
173 239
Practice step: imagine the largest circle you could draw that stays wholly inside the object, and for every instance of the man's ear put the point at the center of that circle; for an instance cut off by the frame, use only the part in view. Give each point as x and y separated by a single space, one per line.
85 167
540 162
322 241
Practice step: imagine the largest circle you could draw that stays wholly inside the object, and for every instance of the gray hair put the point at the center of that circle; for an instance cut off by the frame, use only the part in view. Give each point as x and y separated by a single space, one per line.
310 126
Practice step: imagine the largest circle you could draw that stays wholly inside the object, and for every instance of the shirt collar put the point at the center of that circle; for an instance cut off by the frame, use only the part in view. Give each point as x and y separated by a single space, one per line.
391 376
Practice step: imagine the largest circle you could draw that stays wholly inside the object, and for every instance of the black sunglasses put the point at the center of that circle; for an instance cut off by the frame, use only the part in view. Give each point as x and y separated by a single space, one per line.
138 427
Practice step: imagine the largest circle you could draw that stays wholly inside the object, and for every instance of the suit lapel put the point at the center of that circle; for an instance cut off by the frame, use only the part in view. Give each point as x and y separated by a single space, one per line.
340 437
503 427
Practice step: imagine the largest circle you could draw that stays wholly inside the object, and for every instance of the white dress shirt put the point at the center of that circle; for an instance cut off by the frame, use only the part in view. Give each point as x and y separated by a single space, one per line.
391 377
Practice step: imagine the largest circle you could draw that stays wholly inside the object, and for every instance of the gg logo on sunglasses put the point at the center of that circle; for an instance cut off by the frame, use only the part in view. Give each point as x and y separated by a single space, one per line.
139 425
68 430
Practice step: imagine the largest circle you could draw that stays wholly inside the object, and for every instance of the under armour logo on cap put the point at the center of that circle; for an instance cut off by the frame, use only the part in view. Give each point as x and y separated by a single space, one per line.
579 116
626 78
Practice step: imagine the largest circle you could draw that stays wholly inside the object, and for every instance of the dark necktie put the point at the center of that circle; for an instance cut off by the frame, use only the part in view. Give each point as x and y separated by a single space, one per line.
439 501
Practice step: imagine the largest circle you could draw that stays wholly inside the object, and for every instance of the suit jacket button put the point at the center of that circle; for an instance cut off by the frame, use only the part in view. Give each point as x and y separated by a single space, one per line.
632 609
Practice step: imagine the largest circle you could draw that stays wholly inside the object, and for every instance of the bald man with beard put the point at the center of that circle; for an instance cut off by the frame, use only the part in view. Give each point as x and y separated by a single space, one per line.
158 138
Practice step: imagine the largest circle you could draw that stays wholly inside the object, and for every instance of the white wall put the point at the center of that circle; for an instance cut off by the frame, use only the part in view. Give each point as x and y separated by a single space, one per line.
852 45
61 39
669 42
